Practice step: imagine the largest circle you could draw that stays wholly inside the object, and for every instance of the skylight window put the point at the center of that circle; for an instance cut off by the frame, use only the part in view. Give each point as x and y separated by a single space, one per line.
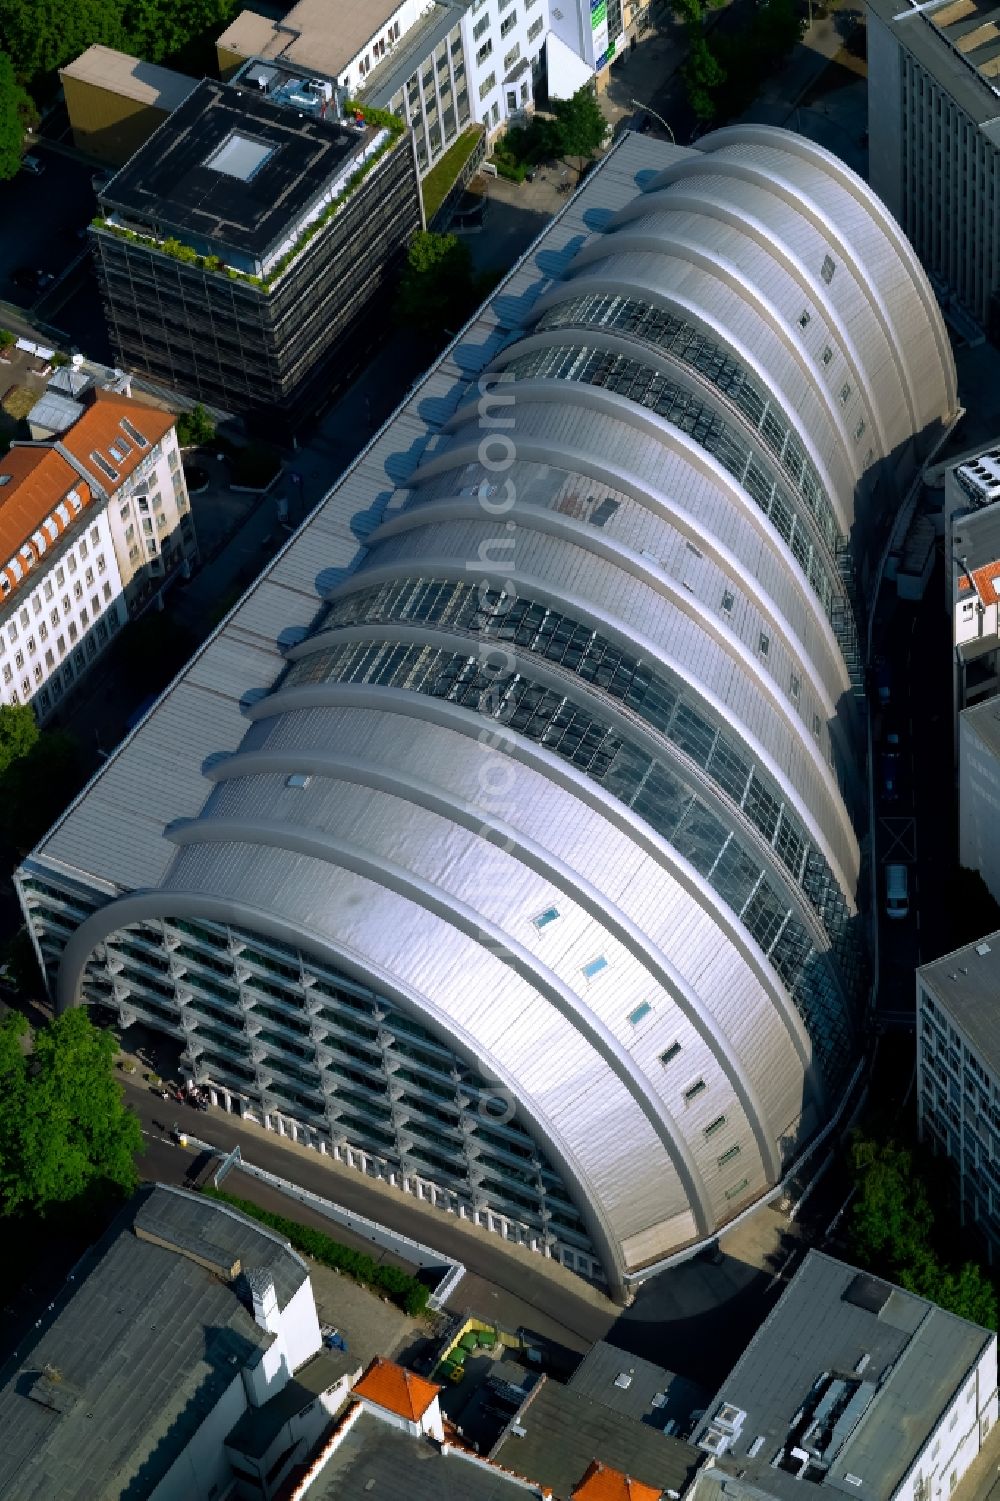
133 433
103 465
642 1010
544 918
670 1053
594 967
120 450
694 1090
239 156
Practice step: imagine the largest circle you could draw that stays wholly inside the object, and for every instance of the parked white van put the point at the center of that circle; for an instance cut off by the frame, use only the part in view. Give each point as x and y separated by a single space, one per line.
897 891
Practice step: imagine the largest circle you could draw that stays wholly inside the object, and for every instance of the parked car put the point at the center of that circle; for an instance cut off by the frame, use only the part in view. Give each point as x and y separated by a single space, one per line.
883 680
33 165
897 891
889 763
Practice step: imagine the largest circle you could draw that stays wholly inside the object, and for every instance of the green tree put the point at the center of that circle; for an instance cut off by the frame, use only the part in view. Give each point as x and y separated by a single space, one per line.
891 1218
702 73
436 288
580 127
195 427
65 1133
18 733
16 113
36 788
41 35
17 956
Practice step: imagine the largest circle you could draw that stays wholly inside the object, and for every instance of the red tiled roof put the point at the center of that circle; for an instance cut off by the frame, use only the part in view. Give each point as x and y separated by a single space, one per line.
398 1390
101 426
986 580
41 494
601 1483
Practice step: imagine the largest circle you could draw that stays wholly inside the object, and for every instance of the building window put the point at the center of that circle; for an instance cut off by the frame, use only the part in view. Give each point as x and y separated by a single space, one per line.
594 966
83 547
480 27
763 643
694 1090
535 28
95 536
714 1126
47 589
495 113
71 560
107 591
544 918
487 84
511 57
73 631
484 53
827 269
670 1053
508 23
737 1188
641 1011
101 565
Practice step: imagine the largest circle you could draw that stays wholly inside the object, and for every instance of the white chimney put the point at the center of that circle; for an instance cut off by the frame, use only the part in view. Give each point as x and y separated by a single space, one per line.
265 1300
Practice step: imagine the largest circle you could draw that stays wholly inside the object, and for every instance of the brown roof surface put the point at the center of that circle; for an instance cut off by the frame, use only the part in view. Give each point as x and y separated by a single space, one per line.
100 426
37 480
313 34
120 73
398 1390
601 1483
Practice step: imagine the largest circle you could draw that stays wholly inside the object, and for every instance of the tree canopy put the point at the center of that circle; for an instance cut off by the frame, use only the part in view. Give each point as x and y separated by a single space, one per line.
436 285
37 786
18 733
65 1133
195 427
892 1233
579 128
16 113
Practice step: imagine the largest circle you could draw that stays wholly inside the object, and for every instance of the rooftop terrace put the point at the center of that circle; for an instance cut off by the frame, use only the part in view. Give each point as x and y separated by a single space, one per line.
240 170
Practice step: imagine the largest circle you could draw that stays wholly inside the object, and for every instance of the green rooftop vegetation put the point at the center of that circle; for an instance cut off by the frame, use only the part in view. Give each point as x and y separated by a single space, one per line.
441 178
380 119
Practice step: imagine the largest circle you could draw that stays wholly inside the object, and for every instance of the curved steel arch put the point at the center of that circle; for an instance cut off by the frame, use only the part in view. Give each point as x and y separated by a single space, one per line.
649 242
603 545
401 701
541 449
688 378
474 927
123 912
620 632
818 156
630 284
745 171
555 455
473 818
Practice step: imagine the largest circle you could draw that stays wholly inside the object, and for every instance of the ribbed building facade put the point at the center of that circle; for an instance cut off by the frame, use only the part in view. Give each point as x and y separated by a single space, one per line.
517 858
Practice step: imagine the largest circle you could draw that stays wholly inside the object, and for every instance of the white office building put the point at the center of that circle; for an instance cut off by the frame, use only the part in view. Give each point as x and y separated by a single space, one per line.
92 524
958 1076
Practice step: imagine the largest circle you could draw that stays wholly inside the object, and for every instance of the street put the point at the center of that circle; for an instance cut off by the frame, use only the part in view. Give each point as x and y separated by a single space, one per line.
694 1319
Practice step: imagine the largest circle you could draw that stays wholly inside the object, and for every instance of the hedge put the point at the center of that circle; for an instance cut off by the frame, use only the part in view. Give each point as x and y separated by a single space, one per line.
405 1291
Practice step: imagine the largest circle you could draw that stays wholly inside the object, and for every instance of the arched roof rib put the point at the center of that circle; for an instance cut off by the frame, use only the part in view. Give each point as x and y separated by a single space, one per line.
688 507
574 437
794 211
613 653
908 294
146 906
745 323
620 754
744 253
475 819
781 741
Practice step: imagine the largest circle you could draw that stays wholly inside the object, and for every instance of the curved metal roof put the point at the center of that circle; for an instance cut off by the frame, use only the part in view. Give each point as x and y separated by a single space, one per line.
592 661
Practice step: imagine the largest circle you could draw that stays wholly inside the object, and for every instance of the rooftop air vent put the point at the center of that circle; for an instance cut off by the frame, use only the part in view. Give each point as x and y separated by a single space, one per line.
715 1441
624 1379
982 949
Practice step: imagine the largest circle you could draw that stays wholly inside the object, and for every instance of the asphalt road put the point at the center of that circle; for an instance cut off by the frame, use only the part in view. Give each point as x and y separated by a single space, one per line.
694 1320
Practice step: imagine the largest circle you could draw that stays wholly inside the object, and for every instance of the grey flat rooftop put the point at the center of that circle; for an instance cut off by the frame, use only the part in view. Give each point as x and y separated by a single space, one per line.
984 721
120 73
375 1460
135 1359
257 1429
651 1395
410 51
976 537
913 1358
966 981
272 163
565 1431
934 45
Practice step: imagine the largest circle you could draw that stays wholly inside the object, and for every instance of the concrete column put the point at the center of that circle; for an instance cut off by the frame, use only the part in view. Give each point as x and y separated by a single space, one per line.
294 1130
267 1122
280 1125
418 1188
213 1098
322 1146
227 1101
